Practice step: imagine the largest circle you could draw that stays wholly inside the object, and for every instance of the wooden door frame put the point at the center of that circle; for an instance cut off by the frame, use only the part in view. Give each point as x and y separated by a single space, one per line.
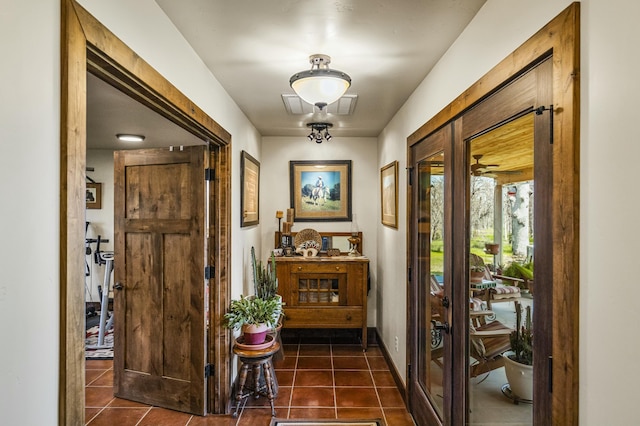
560 39
86 45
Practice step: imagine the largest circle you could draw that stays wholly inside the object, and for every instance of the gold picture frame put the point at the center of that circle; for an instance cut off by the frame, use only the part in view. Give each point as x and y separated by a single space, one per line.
320 190
250 190
93 197
389 194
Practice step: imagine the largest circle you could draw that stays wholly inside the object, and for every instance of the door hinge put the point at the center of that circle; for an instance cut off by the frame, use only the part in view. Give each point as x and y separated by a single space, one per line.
408 373
208 371
209 272
410 175
409 273
209 174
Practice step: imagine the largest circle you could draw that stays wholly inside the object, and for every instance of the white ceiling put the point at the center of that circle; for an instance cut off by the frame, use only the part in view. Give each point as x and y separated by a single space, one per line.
254 46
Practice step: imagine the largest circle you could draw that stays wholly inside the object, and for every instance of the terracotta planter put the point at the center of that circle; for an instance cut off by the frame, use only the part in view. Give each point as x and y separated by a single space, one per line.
476 276
254 334
492 248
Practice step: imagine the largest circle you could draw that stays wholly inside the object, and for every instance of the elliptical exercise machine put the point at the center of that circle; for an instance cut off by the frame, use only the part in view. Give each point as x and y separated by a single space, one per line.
106 320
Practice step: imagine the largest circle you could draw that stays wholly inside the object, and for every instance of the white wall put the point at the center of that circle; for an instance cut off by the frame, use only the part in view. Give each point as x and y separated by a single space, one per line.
609 235
365 189
610 148
29 206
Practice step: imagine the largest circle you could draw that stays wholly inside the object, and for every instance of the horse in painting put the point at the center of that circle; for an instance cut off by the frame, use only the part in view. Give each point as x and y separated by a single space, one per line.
319 192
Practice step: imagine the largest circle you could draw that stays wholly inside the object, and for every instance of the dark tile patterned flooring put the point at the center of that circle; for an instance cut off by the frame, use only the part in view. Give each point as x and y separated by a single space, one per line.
321 376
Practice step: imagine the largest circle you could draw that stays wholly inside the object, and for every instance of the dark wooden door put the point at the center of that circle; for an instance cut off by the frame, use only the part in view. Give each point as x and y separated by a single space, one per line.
159 291
429 290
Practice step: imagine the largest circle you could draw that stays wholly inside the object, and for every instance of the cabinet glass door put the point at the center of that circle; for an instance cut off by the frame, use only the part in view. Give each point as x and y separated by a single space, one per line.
319 289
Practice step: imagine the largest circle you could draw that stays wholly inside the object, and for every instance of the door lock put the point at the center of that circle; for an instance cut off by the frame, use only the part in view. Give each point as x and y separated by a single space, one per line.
437 325
118 286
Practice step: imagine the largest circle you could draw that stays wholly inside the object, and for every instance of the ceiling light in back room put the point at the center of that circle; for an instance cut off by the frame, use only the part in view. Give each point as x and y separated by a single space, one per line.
129 138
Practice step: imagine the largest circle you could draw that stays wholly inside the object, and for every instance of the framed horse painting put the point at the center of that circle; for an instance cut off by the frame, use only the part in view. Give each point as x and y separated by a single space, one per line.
320 190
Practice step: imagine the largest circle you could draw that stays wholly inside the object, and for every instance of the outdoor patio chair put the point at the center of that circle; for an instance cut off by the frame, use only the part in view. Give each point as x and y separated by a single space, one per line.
501 292
488 341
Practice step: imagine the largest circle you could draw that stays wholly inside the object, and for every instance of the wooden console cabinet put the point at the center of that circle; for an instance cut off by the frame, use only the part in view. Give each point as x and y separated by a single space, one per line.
324 292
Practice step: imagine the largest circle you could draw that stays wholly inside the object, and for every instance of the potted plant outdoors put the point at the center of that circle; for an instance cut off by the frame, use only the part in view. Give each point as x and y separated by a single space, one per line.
476 269
253 316
523 271
518 362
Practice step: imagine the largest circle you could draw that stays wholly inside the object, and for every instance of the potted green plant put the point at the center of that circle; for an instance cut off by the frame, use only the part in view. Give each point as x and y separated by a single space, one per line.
476 269
265 280
519 360
253 316
523 271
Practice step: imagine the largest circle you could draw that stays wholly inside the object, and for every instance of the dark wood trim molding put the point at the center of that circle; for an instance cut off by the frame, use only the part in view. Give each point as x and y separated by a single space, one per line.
392 367
86 45
559 39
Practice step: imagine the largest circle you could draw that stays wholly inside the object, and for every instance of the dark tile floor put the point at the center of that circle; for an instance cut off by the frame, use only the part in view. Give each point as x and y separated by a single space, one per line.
320 377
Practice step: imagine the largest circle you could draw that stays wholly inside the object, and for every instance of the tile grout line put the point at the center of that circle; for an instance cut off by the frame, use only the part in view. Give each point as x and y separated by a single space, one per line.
375 388
144 415
333 381
293 380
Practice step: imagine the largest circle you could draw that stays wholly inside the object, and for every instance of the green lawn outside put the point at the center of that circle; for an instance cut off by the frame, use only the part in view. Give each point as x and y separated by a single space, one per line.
477 247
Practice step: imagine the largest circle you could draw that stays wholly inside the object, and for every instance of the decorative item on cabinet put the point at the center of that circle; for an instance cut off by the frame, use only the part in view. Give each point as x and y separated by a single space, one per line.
354 239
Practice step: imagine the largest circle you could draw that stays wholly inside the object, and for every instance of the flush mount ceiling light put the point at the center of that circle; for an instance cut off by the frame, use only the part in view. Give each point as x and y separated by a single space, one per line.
320 86
319 131
129 138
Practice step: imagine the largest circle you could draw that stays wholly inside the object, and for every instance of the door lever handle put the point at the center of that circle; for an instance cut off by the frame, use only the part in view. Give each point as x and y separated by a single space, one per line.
118 286
444 326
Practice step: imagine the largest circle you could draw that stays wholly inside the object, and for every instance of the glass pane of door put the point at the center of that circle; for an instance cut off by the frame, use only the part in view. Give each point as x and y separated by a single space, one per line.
430 264
501 223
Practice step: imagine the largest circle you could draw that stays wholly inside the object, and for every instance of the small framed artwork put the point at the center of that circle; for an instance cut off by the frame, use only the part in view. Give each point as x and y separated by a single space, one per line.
389 194
250 190
93 198
320 190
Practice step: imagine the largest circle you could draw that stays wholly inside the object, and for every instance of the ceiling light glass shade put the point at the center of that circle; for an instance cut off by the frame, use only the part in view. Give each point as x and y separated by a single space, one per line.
320 85
130 138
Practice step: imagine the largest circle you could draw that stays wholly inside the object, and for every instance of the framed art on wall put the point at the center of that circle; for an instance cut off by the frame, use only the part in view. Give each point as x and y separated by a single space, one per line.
320 190
93 198
250 190
389 194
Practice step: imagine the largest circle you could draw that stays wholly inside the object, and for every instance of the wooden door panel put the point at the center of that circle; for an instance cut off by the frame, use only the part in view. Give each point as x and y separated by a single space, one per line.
158 192
175 319
160 311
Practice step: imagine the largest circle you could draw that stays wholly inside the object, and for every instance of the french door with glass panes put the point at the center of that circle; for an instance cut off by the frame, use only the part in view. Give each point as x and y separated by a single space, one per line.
481 189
